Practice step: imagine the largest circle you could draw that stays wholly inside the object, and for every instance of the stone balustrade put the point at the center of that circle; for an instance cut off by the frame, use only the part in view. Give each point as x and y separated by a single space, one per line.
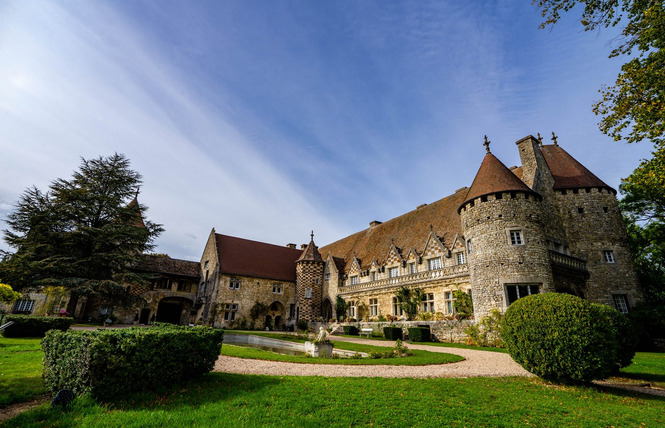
413 278
567 261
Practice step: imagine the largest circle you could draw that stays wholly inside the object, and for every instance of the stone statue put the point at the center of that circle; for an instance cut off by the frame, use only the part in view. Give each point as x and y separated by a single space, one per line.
323 335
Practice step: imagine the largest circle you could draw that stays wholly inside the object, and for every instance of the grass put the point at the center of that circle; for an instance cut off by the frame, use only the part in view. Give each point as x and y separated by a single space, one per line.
647 367
20 370
418 358
221 399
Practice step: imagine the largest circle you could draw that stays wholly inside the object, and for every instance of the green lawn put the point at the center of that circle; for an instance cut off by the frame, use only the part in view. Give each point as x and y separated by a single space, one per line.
647 367
221 399
20 370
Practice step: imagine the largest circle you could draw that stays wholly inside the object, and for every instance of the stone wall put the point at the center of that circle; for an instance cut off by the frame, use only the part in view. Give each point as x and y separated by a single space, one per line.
442 331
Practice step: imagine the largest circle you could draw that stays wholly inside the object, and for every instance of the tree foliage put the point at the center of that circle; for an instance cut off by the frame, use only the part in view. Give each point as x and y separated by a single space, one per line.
83 233
7 295
340 308
634 108
409 300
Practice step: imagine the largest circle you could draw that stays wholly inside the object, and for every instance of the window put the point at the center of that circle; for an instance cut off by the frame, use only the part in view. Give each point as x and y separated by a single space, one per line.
317 281
460 259
393 272
516 237
277 288
608 255
205 264
308 293
24 305
373 276
397 309
292 310
184 286
327 276
428 302
412 268
234 284
163 284
517 291
621 302
373 307
230 310
469 246
433 264
449 299
354 279
106 310
352 309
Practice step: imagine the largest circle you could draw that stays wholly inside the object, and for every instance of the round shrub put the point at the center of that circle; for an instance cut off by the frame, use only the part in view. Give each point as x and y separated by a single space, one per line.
625 334
560 338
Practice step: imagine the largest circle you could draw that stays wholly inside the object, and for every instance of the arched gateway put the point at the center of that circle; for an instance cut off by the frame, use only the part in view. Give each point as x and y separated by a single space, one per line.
174 310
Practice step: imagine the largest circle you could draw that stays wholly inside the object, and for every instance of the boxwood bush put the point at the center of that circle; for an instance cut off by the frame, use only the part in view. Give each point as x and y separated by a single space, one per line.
111 363
33 326
561 338
392 333
625 333
418 334
351 330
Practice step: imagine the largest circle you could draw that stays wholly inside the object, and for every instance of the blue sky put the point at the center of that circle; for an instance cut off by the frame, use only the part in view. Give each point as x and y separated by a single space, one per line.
268 119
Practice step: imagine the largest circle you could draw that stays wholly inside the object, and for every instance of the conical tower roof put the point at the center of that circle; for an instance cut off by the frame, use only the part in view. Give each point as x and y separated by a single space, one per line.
311 252
567 172
492 177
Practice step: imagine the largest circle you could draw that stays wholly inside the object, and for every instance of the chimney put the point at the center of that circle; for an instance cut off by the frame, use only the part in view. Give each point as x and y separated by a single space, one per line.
374 223
303 246
291 246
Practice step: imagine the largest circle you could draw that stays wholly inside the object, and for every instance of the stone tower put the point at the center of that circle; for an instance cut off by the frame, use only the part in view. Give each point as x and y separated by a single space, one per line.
502 222
309 282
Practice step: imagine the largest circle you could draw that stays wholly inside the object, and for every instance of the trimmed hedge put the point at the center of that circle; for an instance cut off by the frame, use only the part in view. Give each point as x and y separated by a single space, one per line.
392 333
419 334
625 334
351 330
33 326
111 363
561 338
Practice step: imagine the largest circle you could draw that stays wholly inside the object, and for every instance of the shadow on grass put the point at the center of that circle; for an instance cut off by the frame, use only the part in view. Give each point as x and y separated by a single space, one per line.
647 377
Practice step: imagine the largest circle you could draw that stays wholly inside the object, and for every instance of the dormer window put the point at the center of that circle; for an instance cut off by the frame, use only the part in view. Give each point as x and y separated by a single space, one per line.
393 272
373 275
354 280
460 259
412 268
434 264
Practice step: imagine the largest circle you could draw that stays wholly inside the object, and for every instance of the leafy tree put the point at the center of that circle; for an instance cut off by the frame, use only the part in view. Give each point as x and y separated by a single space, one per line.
83 233
7 295
340 308
463 305
643 206
634 108
409 300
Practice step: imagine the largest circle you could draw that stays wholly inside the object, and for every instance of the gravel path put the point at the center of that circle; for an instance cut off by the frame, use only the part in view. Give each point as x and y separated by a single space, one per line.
476 364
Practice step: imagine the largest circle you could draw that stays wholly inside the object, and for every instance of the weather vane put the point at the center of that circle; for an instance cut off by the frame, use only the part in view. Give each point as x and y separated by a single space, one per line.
487 144
554 137
540 140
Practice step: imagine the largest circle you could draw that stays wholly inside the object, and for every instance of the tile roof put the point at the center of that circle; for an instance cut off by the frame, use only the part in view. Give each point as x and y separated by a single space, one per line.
311 253
493 176
239 256
409 230
166 265
568 173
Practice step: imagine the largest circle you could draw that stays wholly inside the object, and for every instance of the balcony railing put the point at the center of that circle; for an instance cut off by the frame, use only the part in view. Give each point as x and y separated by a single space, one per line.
413 278
567 261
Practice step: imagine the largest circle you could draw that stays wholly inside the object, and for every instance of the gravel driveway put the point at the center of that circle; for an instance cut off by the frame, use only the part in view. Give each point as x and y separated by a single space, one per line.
476 364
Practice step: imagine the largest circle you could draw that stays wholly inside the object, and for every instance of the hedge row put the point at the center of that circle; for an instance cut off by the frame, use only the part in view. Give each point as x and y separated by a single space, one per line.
32 326
419 334
351 330
392 333
110 363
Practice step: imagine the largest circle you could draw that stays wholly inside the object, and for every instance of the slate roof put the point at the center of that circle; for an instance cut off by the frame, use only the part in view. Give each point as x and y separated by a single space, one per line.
167 265
239 256
409 230
568 173
493 176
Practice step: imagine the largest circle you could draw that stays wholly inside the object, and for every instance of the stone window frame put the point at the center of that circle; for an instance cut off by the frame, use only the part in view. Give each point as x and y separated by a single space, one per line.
352 309
621 302
234 283
608 257
460 257
518 234
397 309
230 311
308 293
393 272
412 268
373 307
354 279
277 288
428 302
437 262
24 305
519 292
449 302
